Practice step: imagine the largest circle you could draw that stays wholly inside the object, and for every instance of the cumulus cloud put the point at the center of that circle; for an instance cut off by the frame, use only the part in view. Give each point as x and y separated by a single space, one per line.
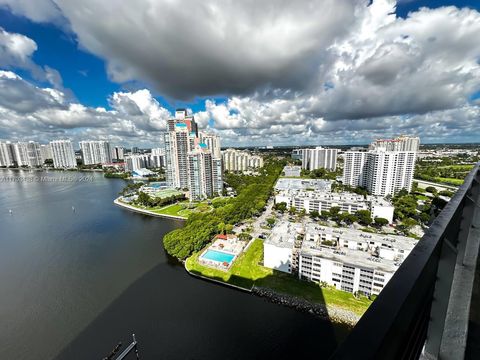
307 71
31 112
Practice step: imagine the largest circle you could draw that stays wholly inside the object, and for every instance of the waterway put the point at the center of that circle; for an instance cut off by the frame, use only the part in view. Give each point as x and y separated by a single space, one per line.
79 274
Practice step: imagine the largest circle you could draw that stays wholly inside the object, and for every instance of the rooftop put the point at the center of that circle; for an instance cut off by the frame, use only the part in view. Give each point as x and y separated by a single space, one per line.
303 184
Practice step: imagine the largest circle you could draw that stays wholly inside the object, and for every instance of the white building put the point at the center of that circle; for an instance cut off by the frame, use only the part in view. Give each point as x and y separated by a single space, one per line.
95 152
46 152
137 162
324 201
401 143
63 154
213 144
178 144
319 158
292 171
238 160
381 172
157 157
7 156
118 153
350 260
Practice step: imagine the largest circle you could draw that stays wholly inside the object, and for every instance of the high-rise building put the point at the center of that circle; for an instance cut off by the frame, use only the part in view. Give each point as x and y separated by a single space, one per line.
117 153
46 152
137 162
401 143
212 142
319 158
63 154
190 163
34 154
95 152
237 160
158 157
7 156
380 171
20 151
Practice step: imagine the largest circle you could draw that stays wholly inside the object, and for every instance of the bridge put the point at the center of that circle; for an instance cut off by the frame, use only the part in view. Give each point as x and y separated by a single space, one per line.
430 309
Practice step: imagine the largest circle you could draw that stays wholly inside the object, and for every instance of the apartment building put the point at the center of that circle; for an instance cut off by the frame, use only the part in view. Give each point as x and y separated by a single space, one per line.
63 154
240 160
319 158
95 152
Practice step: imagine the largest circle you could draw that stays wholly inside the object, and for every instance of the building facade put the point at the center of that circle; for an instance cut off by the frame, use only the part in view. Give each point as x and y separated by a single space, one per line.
137 162
401 143
95 152
380 171
350 260
7 156
63 154
319 158
238 160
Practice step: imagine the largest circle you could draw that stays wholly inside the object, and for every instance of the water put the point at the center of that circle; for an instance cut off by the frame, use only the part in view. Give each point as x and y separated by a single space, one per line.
75 283
218 256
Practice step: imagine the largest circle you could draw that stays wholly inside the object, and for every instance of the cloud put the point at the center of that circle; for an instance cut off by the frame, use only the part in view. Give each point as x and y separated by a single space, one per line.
36 10
31 112
293 72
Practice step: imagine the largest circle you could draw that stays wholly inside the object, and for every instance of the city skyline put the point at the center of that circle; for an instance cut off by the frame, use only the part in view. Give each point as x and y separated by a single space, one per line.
367 71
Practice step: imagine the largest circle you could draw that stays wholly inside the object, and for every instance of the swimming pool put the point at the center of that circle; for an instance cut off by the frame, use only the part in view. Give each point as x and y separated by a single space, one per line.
218 256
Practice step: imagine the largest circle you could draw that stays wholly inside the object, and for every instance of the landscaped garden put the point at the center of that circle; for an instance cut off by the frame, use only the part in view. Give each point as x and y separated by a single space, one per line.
247 272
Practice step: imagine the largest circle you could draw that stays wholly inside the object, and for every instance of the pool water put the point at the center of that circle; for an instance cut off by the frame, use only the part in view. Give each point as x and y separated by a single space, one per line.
218 256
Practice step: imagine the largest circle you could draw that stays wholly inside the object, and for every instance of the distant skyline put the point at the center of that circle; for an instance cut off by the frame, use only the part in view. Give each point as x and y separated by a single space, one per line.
332 72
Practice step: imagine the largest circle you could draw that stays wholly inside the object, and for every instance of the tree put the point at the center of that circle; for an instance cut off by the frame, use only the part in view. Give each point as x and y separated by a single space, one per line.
431 189
314 214
271 221
364 217
408 223
228 228
379 221
292 210
282 207
446 193
245 236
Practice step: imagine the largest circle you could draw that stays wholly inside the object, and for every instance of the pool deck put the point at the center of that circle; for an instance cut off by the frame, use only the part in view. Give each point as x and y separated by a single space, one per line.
118 201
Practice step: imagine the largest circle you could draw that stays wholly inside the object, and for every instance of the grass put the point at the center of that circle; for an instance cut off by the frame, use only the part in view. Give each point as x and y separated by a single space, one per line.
246 272
450 181
421 197
173 210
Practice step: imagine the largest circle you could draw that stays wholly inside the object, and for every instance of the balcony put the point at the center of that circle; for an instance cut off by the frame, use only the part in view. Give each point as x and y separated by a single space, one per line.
430 309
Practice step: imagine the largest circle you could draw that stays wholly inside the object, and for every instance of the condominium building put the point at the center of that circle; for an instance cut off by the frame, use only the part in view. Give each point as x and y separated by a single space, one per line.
297 154
118 153
63 154
157 157
292 171
347 202
238 160
401 143
381 171
350 260
137 162
212 142
319 158
26 154
46 151
95 152
190 163
7 156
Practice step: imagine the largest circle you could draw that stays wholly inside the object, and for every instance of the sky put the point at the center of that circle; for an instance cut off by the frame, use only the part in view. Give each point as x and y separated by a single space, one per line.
273 72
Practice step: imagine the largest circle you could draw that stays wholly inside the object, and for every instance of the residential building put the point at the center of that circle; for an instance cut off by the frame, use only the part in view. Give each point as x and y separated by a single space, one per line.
46 152
192 164
319 158
137 162
118 153
319 185
238 160
63 154
292 171
350 260
381 171
401 143
347 202
95 152
157 157
213 144
7 156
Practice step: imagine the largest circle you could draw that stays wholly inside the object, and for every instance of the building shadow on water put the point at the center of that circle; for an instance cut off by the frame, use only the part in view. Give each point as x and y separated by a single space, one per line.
177 316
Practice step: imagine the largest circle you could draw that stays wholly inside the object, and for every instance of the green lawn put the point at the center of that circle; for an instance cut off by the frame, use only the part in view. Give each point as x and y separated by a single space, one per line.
182 209
451 181
247 272
173 210
421 197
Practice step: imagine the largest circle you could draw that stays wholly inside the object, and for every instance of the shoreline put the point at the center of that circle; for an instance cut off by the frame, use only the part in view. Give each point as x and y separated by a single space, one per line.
321 311
146 212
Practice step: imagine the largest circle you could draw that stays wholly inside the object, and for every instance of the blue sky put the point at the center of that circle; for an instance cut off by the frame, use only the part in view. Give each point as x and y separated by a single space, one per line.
229 85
